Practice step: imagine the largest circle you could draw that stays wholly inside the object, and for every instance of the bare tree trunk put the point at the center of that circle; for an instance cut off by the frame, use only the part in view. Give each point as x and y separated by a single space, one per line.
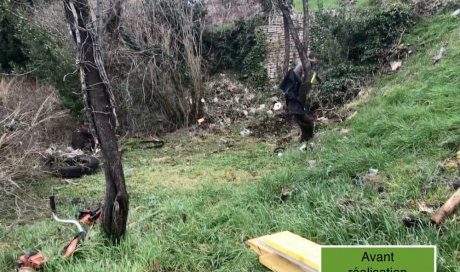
302 47
283 6
306 26
100 105
287 41
287 46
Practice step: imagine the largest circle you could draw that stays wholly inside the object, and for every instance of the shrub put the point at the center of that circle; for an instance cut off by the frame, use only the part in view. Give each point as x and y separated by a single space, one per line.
10 46
352 45
239 49
33 50
53 63
28 127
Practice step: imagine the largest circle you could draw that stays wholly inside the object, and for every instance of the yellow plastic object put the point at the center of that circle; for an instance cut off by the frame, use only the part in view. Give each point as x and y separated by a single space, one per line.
276 263
313 78
285 247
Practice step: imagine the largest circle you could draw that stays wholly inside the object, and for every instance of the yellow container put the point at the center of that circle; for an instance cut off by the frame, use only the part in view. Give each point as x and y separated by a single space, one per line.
287 252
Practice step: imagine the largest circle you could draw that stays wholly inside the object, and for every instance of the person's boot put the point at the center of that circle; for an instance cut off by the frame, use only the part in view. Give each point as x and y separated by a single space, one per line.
306 126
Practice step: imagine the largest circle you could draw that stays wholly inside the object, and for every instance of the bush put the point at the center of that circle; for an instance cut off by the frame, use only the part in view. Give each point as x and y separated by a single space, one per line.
239 49
10 46
35 51
28 127
352 45
53 63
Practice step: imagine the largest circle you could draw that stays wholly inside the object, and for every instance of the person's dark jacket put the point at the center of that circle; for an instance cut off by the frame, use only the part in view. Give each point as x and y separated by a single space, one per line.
290 87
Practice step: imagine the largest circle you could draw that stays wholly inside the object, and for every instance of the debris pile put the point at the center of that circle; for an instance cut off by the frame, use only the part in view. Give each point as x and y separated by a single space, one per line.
230 102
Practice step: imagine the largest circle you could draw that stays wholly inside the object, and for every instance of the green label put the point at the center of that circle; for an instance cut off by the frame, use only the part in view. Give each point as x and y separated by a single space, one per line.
378 259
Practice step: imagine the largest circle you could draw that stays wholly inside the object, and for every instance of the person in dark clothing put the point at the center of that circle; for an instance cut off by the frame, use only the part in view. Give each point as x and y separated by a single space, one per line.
296 96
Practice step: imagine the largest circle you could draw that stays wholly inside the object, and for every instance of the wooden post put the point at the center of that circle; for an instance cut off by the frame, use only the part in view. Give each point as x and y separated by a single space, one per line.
447 209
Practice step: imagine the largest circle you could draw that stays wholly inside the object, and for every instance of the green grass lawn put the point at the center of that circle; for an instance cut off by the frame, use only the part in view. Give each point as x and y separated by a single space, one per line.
195 202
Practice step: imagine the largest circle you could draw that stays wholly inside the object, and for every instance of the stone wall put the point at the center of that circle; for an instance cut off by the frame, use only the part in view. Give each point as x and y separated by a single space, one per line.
274 37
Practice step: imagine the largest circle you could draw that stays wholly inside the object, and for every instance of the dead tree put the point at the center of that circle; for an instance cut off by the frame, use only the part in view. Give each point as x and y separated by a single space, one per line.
100 109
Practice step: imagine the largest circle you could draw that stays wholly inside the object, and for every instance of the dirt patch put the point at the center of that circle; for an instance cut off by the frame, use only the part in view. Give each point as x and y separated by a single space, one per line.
277 125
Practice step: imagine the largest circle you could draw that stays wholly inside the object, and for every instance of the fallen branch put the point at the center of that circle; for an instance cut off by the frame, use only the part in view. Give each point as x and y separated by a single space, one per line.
447 209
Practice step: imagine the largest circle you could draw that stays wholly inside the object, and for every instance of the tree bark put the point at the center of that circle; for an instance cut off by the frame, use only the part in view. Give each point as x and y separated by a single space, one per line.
302 47
287 46
100 107
306 26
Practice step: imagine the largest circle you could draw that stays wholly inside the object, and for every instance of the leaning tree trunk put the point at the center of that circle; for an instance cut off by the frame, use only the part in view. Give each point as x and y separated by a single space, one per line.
100 108
302 47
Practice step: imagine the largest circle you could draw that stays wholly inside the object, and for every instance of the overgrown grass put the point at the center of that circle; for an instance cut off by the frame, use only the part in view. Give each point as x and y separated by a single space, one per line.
202 224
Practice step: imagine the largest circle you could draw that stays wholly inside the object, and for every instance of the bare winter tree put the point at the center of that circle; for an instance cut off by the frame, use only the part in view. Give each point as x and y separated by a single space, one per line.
301 46
154 62
100 110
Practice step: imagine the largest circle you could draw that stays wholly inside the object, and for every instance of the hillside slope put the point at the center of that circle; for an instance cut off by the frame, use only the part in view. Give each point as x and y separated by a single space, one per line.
195 202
